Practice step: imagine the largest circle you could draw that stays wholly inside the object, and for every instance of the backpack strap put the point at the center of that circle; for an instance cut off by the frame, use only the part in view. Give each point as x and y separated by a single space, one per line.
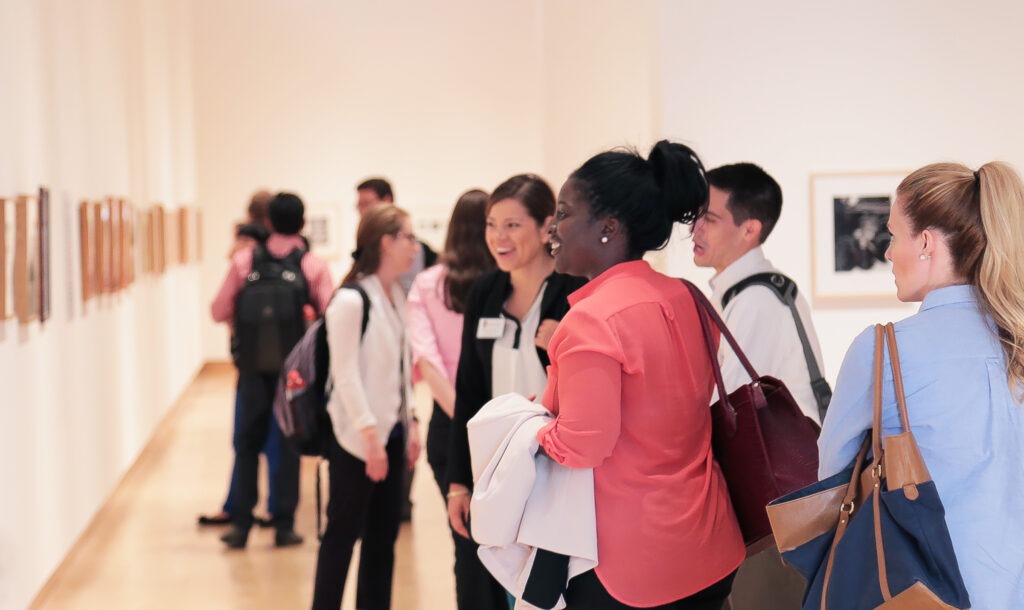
785 289
366 305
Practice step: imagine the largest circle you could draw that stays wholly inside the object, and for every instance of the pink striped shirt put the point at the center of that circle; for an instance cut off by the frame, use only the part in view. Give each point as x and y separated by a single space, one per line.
318 276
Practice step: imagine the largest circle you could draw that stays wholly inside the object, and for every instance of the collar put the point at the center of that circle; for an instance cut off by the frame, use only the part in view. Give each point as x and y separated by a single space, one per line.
628 268
284 243
949 295
751 263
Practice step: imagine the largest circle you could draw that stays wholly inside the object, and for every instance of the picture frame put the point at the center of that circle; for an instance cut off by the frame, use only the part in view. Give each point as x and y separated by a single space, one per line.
26 259
158 239
184 236
116 243
6 259
321 230
44 301
87 246
128 242
101 236
849 212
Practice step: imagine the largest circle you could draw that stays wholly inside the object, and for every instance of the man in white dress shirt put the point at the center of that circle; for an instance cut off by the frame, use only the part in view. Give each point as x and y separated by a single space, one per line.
744 205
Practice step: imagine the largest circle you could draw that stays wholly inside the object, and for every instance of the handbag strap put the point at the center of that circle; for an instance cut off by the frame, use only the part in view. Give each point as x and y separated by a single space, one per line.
706 314
709 310
885 336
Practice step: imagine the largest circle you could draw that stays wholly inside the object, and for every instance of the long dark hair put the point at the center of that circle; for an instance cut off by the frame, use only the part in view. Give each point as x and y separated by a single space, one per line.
465 248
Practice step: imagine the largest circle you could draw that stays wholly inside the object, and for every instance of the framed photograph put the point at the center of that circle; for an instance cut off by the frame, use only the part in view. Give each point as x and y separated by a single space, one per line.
26 259
6 259
101 237
184 235
159 240
128 243
322 231
848 236
44 253
116 242
87 245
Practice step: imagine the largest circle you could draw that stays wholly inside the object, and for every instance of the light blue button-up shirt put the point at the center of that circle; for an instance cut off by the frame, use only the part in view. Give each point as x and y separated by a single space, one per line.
967 424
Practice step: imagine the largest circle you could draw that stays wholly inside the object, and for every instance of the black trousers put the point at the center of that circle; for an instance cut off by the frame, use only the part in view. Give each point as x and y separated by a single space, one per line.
586 592
252 425
475 588
359 508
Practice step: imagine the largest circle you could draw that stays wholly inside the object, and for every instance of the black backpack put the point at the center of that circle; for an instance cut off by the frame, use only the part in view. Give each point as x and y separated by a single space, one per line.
269 318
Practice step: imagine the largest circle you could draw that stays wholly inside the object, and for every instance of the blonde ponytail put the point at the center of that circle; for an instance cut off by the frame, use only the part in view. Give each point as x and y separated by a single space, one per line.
1001 274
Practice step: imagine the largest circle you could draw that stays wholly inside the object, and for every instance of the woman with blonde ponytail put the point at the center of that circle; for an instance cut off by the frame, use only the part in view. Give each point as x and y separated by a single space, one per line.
957 248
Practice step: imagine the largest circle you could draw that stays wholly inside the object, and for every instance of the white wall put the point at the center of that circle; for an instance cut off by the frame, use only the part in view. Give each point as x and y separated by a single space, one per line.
95 101
816 87
314 97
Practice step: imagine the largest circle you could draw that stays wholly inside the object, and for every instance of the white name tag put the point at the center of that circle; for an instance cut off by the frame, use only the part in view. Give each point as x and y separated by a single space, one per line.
490 328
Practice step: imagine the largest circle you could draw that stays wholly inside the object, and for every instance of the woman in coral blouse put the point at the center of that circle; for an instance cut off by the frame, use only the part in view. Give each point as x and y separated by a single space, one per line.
630 383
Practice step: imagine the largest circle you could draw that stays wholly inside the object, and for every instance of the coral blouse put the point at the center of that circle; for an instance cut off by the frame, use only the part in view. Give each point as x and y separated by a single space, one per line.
630 383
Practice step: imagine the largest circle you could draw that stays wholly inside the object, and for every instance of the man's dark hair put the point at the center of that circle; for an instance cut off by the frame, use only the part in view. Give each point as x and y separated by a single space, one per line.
378 185
286 213
752 194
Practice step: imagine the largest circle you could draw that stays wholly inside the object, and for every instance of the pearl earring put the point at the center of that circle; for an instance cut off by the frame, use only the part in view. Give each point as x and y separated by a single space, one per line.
604 239
924 257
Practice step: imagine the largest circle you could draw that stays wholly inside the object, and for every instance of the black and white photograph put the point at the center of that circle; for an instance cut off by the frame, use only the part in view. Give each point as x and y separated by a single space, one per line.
860 234
849 238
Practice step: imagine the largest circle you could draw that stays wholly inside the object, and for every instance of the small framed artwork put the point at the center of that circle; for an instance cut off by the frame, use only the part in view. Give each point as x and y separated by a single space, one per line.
322 231
145 224
6 259
128 243
849 238
184 235
26 259
159 241
116 253
87 245
44 253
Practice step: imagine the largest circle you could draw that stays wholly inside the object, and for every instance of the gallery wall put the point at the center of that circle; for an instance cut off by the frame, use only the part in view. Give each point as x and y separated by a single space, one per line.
803 88
316 97
96 103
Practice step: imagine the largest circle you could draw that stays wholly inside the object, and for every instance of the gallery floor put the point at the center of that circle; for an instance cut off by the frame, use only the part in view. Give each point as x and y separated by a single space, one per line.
144 549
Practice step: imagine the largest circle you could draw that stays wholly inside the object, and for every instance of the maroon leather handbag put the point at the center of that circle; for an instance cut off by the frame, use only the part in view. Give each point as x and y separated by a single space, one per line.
764 444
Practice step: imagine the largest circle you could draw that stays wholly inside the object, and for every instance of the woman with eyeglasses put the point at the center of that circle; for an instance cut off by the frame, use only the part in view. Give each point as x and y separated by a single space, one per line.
375 434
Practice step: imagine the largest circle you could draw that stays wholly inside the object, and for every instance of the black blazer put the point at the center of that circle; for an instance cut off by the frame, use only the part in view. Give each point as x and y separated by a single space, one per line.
486 299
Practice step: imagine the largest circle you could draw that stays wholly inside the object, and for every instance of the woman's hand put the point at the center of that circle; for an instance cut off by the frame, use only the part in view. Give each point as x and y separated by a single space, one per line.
413 447
544 332
458 508
376 456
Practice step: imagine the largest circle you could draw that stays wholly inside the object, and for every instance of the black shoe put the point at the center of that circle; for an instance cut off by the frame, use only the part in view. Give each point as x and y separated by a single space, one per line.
220 518
264 522
286 537
235 538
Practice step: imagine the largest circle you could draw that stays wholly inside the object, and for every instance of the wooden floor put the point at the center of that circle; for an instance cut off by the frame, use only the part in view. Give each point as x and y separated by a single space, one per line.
145 551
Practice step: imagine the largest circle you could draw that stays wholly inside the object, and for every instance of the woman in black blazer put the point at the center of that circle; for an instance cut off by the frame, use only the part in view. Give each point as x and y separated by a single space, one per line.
510 315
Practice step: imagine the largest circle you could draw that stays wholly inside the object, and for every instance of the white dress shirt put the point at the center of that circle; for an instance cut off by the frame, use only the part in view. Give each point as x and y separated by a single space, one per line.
766 331
369 377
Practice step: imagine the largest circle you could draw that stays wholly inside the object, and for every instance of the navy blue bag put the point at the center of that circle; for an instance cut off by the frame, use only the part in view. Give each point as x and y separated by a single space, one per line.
874 535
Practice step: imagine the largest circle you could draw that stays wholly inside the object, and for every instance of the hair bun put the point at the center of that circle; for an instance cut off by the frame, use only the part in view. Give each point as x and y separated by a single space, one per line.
679 174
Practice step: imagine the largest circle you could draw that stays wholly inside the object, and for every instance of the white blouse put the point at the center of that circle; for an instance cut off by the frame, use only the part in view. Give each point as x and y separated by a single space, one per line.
515 365
369 378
